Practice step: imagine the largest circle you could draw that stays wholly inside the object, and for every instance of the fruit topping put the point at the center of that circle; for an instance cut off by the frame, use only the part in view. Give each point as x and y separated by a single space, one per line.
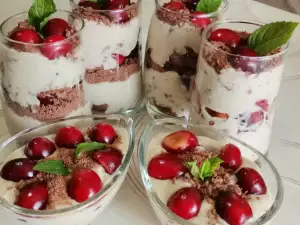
185 203
180 141
226 36
103 132
248 64
56 46
191 4
84 184
33 196
56 26
92 5
216 114
255 118
69 137
117 15
39 148
246 52
174 5
119 58
251 182
26 36
233 208
18 169
200 21
110 159
119 3
263 104
231 156
166 166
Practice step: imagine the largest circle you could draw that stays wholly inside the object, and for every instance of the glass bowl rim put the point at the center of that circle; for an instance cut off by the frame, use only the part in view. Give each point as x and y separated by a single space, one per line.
267 216
7 38
80 206
206 42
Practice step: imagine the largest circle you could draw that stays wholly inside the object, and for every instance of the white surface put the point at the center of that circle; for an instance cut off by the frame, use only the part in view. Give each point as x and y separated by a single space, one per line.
131 207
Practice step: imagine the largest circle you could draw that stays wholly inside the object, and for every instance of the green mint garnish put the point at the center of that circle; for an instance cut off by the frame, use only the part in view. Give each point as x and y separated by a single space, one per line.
208 6
88 146
207 169
39 12
271 36
52 166
99 1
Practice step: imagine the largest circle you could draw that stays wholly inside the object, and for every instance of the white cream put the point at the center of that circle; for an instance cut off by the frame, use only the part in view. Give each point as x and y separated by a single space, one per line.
27 74
118 95
165 188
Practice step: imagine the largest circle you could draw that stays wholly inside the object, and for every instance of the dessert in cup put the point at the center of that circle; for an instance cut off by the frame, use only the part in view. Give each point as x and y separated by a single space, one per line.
110 39
196 175
64 172
172 51
42 67
239 73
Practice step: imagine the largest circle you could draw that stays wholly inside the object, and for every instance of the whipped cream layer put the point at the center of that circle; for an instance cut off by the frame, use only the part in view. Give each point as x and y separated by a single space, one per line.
165 188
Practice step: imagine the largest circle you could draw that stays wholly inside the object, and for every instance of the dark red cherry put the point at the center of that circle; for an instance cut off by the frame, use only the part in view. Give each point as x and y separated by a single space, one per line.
104 133
231 156
119 58
226 36
69 137
39 148
247 52
55 26
199 21
56 46
92 5
26 36
119 3
117 14
174 5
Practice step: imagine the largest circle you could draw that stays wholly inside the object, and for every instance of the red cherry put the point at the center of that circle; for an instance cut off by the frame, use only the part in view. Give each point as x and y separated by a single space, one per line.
117 14
251 182
263 104
26 36
233 208
201 22
109 158
69 137
119 58
166 166
180 141
56 26
104 133
231 156
84 184
53 50
247 52
192 4
227 36
88 4
185 203
33 196
39 148
174 5
119 3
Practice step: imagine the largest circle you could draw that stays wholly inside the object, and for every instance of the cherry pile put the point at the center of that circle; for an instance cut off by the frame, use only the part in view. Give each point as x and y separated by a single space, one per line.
84 183
186 202
54 31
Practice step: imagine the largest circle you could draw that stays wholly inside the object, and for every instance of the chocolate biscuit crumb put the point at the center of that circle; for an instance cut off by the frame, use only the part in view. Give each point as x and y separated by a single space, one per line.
100 108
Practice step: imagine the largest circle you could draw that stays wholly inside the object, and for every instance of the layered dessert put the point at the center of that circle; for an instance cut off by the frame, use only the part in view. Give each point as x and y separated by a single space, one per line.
59 171
172 51
204 181
238 80
42 69
112 81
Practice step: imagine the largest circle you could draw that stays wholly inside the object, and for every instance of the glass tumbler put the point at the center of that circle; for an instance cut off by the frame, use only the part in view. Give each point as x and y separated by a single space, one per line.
171 57
237 94
110 39
43 81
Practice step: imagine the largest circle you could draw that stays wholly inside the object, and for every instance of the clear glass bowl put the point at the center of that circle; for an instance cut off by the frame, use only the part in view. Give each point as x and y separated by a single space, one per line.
81 213
42 81
171 56
166 217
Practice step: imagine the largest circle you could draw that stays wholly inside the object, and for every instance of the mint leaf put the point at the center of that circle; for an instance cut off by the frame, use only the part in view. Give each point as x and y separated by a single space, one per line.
88 146
271 36
209 166
215 163
39 12
52 166
208 6
193 168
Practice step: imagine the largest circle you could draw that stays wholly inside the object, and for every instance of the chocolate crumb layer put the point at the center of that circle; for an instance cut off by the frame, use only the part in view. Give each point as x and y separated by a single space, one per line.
100 108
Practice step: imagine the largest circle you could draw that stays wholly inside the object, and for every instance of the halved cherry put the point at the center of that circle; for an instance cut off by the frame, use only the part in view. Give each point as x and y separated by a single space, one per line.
180 141
119 58
69 137
226 36
26 36
56 46
55 26
174 5
231 156
216 114
263 104
200 20
166 166
39 148
104 133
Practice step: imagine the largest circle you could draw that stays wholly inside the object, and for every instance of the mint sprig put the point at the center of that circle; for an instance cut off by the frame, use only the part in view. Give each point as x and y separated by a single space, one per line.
208 6
39 12
271 36
52 166
88 146
206 170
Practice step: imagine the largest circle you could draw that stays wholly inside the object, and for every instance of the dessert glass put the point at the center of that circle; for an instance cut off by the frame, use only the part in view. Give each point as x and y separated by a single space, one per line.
171 58
237 94
81 213
110 39
34 88
166 217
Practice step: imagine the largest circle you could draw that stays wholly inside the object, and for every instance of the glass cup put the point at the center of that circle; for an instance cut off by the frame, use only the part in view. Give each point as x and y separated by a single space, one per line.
237 94
164 214
78 214
171 57
110 39
41 82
